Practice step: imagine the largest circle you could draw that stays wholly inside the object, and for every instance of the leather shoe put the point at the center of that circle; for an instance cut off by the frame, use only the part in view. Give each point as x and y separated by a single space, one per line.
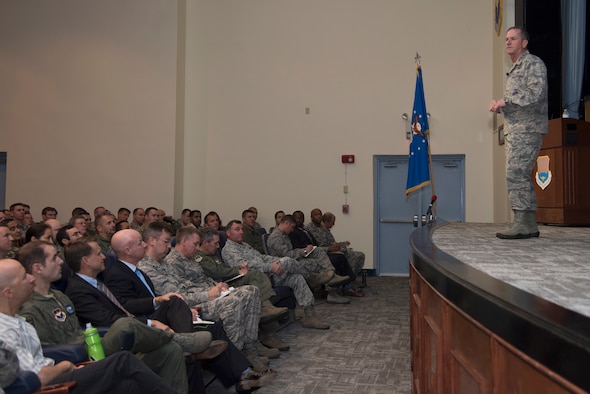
215 349
353 292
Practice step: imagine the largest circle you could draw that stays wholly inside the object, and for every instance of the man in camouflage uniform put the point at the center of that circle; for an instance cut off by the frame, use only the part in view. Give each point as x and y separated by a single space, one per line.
320 229
219 270
239 310
524 108
313 259
236 252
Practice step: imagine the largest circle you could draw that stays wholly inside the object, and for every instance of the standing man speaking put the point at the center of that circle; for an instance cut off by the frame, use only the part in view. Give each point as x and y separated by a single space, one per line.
524 107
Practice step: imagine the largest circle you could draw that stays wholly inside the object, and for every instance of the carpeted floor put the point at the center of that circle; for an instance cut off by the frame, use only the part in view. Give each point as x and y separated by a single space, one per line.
367 349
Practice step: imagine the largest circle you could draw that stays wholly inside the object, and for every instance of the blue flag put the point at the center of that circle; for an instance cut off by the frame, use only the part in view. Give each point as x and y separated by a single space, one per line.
419 164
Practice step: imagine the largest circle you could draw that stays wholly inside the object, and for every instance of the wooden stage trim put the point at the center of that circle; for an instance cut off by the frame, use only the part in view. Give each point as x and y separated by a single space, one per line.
472 333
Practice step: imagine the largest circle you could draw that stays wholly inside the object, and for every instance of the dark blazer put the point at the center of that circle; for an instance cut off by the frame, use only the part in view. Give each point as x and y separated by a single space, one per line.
129 289
92 306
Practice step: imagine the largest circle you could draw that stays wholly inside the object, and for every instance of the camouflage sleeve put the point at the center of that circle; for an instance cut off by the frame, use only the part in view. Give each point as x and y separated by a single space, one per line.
234 254
527 85
281 246
166 281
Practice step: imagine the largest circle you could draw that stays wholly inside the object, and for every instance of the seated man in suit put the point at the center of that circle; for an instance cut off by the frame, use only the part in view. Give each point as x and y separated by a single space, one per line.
95 303
119 373
136 292
53 315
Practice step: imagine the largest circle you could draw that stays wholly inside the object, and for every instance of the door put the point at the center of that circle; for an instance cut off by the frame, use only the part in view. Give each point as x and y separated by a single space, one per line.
394 214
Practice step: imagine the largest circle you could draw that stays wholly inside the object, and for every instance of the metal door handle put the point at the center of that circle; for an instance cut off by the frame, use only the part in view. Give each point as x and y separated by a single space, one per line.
381 220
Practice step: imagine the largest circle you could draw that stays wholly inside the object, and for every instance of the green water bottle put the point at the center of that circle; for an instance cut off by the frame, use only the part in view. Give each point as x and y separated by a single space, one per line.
93 344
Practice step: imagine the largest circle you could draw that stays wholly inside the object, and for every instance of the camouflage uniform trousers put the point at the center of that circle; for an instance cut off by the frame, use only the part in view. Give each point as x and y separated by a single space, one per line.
303 294
239 312
522 150
356 260
317 261
258 279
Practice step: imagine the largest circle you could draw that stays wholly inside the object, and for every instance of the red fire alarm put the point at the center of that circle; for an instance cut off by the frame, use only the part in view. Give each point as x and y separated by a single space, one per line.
347 159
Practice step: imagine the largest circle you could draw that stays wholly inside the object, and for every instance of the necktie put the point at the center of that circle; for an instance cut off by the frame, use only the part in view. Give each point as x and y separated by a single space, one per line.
142 279
105 290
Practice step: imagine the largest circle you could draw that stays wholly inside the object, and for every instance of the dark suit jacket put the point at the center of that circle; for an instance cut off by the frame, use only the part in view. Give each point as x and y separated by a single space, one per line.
129 289
92 306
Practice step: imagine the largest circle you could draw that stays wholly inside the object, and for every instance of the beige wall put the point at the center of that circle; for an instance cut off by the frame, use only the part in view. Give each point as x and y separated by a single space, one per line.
88 103
261 63
93 90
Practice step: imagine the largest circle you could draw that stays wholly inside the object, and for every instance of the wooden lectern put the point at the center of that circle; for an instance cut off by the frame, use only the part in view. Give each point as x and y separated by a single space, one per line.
566 200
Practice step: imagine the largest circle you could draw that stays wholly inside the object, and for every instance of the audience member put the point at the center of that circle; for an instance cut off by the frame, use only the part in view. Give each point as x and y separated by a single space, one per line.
252 236
53 315
312 258
212 220
48 213
320 227
239 310
278 217
6 240
119 373
122 225
39 232
214 267
138 218
105 228
236 252
55 226
123 214
232 367
17 213
196 218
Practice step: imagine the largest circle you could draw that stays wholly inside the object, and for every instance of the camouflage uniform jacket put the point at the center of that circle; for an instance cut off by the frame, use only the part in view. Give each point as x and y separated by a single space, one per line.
322 235
167 278
526 96
279 243
54 318
235 254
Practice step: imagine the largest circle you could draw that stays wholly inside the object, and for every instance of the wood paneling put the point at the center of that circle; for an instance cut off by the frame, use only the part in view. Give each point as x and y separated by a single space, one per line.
566 200
452 353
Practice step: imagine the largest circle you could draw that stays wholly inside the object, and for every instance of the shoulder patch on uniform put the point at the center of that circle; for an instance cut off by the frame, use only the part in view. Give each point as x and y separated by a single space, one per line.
59 315
199 259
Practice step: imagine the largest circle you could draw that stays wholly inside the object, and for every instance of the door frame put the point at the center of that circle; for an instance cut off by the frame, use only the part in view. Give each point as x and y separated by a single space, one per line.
423 200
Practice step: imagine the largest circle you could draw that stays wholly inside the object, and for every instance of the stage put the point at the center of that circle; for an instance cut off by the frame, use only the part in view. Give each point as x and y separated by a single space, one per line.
497 314
555 266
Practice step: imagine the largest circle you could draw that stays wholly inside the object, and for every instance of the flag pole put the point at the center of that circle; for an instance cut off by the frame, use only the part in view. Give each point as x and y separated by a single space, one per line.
433 200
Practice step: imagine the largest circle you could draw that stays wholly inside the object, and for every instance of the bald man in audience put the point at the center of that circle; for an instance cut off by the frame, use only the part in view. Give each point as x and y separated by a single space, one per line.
121 372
